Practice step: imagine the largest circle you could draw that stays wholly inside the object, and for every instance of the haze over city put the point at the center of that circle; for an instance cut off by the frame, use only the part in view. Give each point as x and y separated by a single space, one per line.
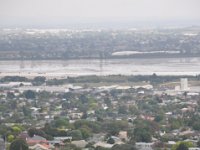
62 13
99 74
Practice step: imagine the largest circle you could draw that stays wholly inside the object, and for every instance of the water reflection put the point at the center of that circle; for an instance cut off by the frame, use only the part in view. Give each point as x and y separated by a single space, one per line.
105 66
33 64
22 65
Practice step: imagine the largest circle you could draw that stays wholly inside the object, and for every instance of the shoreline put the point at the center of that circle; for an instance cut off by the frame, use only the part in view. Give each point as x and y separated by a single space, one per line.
64 76
135 56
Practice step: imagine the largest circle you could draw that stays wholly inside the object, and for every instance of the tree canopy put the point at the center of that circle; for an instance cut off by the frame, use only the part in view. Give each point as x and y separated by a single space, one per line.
19 144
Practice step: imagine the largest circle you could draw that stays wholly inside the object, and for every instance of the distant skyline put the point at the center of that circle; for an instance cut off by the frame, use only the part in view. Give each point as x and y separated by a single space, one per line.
69 12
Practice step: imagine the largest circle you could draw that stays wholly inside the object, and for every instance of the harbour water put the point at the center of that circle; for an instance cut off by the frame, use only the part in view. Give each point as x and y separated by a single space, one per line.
64 68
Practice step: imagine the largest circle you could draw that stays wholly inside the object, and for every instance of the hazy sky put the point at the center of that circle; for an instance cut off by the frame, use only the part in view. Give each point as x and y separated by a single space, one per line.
49 10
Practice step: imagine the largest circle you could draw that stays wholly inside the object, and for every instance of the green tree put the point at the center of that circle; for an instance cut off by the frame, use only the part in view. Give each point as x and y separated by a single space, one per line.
39 80
10 95
13 104
133 110
31 132
84 99
16 130
76 134
198 143
101 148
18 144
86 133
159 118
196 126
14 79
123 147
10 138
107 101
175 123
122 109
70 147
182 146
93 126
29 94
142 135
113 127
26 111
111 141
60 122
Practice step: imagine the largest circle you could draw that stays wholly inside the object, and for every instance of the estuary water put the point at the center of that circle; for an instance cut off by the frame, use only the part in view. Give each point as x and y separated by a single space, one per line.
80 67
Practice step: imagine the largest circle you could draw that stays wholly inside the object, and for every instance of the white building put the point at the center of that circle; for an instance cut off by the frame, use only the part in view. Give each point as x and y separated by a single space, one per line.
194 148
144 146
184 84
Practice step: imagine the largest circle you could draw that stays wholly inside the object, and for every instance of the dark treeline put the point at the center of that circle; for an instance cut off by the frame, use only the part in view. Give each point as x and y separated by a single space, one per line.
153 79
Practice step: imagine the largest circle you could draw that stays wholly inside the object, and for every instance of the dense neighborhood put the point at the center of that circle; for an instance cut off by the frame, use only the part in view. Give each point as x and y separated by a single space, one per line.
110 112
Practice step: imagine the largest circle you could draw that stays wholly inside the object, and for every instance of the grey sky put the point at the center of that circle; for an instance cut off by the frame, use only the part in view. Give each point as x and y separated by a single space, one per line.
81 9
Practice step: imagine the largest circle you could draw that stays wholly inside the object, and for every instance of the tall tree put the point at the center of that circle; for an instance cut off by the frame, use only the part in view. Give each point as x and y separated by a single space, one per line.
182 146
18 144
29 94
